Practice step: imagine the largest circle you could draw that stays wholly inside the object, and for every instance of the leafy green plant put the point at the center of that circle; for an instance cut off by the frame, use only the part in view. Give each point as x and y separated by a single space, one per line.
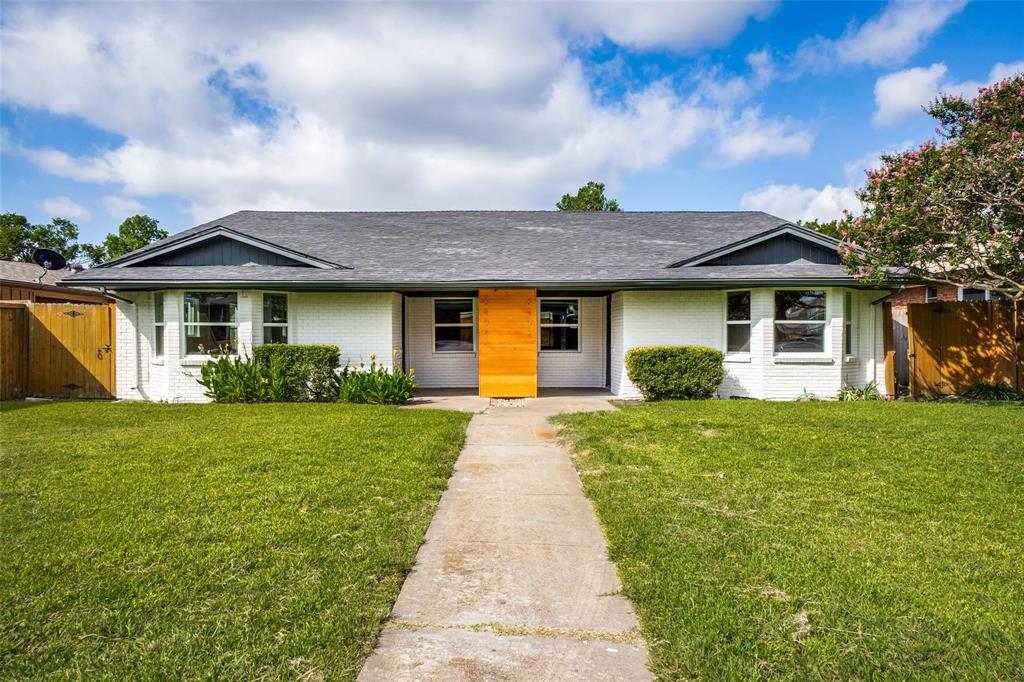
242 380
675 372
375 384
992 390
852 393
309 369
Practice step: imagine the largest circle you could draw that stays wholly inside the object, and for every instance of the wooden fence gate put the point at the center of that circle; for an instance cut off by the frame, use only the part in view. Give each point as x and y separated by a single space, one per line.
58 350
953 346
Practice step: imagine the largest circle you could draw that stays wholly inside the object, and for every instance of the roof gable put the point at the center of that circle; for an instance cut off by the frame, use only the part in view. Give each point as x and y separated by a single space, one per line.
219 245
780 246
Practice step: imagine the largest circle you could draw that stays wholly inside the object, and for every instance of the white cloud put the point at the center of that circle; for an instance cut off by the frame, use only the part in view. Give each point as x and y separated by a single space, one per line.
368 106
752 136
899 32
794 202
902 94
64 207
122 207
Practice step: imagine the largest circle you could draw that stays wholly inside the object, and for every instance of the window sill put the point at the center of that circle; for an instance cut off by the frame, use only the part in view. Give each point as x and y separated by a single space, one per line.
199 360
443 353
804 359
738 357
157 361
850 358
558 352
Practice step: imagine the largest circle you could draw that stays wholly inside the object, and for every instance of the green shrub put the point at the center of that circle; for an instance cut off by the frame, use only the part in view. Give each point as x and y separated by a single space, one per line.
242 380
852 393
675 372
309 370
989 390
375 384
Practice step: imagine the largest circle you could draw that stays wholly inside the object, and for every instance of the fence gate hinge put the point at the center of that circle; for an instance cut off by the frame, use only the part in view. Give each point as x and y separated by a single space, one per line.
72 386
73 313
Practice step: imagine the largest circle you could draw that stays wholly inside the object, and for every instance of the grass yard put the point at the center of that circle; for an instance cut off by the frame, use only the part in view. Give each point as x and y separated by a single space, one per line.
807 540
144 541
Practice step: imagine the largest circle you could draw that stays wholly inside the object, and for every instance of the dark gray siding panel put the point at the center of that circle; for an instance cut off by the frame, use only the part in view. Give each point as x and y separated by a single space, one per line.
222 251
778 250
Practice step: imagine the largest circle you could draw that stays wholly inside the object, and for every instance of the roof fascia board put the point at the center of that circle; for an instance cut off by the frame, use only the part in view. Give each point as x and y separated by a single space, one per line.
793 230
221 231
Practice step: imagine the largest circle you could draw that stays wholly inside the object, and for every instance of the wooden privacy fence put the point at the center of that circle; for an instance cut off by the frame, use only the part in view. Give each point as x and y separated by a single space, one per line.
56 350
953 346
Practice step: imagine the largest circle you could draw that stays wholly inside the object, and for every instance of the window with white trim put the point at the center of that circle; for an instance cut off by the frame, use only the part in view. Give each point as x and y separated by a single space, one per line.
560 324
158 324
737 322
971 294
454 325
800 321
211 322
848 323
275 318
931 294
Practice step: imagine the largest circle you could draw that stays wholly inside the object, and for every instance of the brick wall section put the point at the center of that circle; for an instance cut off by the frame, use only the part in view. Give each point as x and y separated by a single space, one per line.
583 369
651 318
946 292
434 370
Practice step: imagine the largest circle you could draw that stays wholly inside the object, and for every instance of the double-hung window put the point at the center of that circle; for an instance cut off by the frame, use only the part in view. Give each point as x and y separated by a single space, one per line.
560 324
931 294
211 322
848 323
158 324
737 322
275 318
453 325
800 321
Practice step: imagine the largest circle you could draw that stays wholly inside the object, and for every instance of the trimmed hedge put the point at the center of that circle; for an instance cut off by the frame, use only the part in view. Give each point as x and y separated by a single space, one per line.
675 372
308 369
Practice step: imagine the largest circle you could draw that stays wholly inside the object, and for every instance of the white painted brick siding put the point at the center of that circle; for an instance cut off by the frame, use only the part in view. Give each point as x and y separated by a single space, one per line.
654 318
586 368
434 370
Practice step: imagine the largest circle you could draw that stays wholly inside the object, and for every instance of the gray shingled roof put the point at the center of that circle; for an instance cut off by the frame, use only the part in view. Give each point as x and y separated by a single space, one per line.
475 247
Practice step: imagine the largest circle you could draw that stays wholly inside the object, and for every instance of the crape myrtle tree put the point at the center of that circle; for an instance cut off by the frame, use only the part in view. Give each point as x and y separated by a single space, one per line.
951 211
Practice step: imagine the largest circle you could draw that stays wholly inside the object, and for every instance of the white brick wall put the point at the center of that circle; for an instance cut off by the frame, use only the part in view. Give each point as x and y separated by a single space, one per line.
360 324
433 370
652 318
586 368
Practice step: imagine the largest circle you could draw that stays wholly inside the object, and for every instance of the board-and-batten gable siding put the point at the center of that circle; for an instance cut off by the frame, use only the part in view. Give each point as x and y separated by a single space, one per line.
222 251
778 250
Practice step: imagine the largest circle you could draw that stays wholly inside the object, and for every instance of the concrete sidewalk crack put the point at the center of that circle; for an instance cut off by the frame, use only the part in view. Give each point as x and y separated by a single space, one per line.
628 637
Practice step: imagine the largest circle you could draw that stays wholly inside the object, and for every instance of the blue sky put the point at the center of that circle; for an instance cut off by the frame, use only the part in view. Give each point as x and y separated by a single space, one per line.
189 112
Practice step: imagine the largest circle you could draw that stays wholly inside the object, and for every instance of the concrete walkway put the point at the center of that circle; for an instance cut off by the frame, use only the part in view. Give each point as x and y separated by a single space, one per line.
513 581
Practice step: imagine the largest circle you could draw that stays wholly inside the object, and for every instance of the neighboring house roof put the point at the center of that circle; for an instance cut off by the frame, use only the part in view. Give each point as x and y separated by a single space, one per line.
18 282
472 248
28 272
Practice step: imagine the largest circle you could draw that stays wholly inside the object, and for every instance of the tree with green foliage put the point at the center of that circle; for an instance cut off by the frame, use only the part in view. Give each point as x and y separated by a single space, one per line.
951 211
830 228
590 197
134 233
19 239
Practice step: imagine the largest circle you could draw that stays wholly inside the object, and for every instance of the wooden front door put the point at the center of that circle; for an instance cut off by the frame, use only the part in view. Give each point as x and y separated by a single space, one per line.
507 350
71 350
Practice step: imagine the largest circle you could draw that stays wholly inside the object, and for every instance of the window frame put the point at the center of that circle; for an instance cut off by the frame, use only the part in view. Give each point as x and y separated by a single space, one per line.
849 338
288 326
826 335
159 340
434 324
578 325
185 323
737 355
988 295
927 297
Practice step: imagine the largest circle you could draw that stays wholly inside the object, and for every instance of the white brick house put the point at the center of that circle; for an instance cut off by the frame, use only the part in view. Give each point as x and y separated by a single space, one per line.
426 290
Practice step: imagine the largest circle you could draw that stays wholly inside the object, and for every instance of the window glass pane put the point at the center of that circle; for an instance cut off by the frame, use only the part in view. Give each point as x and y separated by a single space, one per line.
848 340
799 305
931 294
448 339
559 312
275 335
974 295
737 338
739 306
212 339
211 306
799 338
275 308
559 338
453 311
158 307
158 340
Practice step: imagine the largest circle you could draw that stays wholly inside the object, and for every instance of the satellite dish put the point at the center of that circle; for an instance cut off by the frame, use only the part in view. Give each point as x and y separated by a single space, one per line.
48 259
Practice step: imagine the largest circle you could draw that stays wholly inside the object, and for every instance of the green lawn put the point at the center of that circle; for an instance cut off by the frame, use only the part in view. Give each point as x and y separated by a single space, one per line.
808 540
142 541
